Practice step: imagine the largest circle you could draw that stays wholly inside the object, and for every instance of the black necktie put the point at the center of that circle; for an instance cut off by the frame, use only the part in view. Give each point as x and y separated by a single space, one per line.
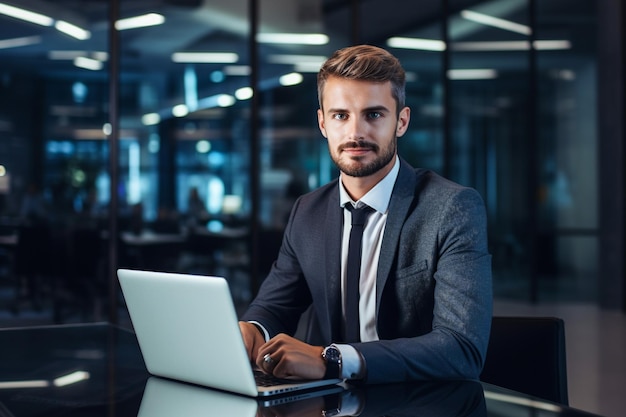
353 272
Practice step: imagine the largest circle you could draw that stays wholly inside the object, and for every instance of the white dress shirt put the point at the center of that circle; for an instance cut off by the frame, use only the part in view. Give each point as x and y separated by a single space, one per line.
378 198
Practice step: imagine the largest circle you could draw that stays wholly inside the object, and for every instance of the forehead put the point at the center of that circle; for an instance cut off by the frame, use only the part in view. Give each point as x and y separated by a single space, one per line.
344 92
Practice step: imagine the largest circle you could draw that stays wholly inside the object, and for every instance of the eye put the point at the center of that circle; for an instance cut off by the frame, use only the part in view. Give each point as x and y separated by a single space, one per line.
374 115
340 116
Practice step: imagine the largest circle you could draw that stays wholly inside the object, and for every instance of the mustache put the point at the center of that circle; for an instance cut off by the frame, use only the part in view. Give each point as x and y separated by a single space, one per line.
359 144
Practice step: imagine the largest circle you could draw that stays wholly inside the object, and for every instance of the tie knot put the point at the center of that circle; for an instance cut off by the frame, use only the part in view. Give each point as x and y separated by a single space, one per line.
359 215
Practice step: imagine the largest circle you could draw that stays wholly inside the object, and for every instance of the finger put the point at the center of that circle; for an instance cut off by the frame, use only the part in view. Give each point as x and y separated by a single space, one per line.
269 363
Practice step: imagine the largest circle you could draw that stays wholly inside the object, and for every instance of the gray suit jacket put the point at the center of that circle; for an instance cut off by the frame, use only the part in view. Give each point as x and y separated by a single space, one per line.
433 289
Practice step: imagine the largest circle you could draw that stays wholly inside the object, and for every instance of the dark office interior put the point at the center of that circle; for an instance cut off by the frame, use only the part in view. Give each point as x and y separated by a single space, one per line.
179 144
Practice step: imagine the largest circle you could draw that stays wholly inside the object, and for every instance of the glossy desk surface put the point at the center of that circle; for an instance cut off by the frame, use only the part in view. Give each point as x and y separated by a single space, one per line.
97 370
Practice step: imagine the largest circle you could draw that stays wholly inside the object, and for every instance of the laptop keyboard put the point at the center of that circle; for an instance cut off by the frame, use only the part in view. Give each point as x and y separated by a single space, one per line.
267 380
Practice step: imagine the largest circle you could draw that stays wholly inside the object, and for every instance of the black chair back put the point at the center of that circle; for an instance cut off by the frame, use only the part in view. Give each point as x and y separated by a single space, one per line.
527 354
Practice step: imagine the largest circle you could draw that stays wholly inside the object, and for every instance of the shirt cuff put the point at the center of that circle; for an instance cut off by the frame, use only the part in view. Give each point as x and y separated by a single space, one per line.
266 334
352 363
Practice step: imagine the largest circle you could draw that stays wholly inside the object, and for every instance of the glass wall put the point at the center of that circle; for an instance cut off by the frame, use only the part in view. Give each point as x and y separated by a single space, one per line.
218 133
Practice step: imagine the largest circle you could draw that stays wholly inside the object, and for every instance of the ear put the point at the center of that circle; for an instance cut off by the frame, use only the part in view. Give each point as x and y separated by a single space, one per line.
403 121
320 122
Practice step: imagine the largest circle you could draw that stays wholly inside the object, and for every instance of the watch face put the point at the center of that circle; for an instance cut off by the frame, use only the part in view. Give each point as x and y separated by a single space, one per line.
331 354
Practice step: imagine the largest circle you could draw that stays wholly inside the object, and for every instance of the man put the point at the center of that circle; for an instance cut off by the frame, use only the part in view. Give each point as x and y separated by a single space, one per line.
424 296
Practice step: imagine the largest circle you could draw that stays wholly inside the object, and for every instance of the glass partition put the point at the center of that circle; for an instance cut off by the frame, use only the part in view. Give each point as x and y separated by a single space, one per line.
503 99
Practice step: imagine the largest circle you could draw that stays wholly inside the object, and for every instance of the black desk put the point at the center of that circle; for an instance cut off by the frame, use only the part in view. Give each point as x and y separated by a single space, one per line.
97 370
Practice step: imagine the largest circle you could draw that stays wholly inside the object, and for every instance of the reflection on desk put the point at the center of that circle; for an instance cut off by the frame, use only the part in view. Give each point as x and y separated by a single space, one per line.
97 370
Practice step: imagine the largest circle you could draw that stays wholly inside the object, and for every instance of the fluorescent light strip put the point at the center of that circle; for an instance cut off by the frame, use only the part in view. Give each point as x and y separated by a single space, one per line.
71 55
435 45
205 57
72 30
296 59
18 42
22 14
511 45
72 378
552 45
472 74
151 119
491 46
292 78
150 19
88 63
496 22
237 70
312 67
293 38
66 55
219 100
244 93
416 43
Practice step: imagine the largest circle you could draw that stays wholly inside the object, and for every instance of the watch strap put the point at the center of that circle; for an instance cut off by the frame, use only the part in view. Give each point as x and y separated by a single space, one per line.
332 357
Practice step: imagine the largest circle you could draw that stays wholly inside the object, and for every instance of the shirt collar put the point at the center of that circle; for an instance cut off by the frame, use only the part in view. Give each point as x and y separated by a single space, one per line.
378 197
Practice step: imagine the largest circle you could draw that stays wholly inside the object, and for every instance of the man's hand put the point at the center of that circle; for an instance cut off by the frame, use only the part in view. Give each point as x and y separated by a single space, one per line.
252 339
290 358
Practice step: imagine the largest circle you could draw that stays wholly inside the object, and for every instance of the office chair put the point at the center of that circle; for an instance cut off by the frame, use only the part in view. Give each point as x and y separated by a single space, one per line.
527 354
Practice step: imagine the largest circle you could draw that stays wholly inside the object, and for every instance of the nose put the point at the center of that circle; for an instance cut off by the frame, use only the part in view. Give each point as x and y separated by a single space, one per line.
355 129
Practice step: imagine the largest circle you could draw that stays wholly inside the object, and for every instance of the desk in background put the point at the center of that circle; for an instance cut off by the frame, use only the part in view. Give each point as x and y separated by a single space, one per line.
97 370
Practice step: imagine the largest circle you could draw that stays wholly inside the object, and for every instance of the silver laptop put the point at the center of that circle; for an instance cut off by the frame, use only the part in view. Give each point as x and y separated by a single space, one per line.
188 330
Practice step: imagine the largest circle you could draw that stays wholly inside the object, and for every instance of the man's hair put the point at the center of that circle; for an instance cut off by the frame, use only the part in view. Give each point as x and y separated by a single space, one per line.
364 63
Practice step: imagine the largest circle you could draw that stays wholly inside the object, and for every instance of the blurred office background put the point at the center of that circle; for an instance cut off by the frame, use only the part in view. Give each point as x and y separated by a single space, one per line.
175 134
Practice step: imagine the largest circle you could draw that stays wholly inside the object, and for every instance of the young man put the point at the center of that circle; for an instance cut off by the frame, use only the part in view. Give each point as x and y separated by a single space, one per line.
424 295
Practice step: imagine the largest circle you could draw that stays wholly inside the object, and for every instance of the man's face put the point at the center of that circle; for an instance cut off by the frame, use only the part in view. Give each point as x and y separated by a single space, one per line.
359 120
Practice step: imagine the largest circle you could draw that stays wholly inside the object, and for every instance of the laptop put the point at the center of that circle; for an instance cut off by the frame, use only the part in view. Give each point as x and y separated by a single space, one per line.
187 329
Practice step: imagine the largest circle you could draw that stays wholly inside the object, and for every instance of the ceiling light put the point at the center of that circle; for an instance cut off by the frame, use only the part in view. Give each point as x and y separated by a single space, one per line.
417 43
151 119
71 55
180 110
510 45
17 42
150 19
26 15
296 59
293 38
551 45
496 22
237 70
72 30
244 93
205 57
472 74
88 63
308 67
290 79
219 100
225 100
491 46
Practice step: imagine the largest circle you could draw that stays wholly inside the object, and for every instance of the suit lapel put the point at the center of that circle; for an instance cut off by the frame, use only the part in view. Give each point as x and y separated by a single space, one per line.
332 237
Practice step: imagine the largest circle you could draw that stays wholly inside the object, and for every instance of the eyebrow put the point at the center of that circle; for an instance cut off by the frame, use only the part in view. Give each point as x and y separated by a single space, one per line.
365 110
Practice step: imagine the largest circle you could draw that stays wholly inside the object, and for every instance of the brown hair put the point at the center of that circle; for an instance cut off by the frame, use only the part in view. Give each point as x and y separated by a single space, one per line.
366 63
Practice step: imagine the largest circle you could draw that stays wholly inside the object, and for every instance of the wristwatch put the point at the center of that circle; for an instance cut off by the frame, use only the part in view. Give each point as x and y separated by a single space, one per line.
332 356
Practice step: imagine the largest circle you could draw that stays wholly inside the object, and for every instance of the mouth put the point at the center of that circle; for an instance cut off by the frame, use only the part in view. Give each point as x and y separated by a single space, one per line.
358 148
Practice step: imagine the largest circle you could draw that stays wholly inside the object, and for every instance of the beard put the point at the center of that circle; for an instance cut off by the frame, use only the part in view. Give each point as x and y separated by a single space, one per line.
354 167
